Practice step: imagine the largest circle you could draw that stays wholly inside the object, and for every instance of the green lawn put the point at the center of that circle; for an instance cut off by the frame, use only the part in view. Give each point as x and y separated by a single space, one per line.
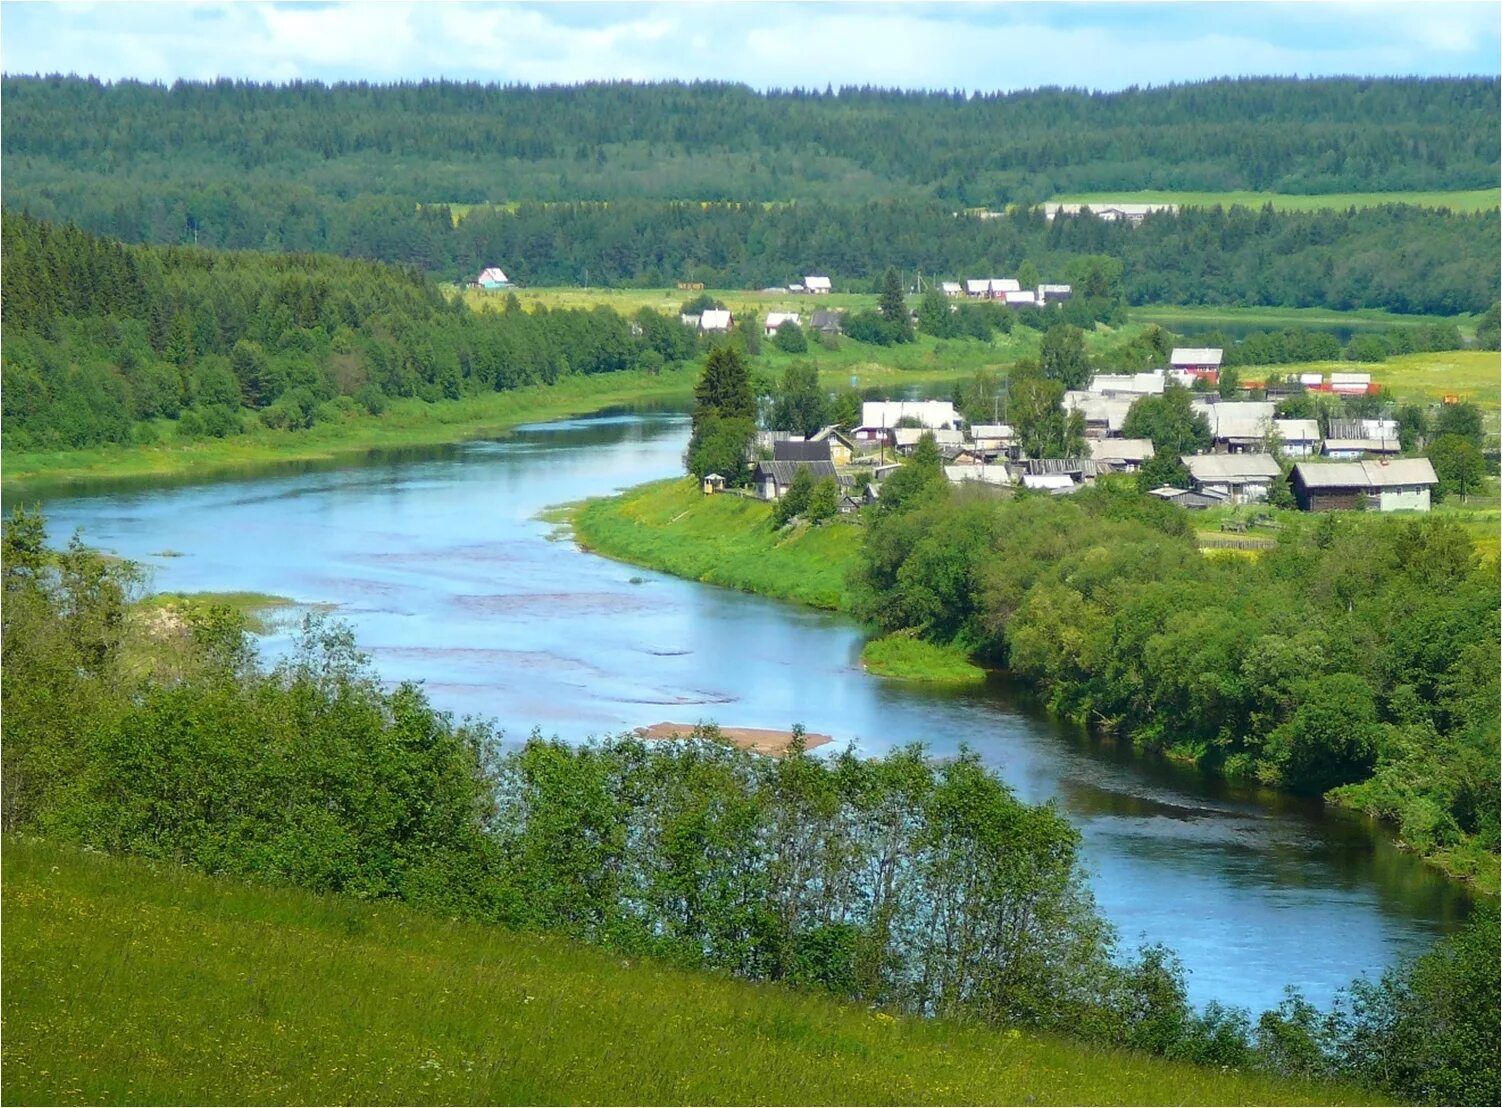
133 983
1466 200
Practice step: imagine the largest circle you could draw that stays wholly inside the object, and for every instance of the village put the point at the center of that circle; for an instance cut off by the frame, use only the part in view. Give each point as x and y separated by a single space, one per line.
1355 464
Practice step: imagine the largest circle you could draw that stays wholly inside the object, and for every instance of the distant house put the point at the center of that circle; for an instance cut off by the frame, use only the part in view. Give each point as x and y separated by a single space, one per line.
932 414
492 278
1298 438
827 322
800 450
1021 298
1109 210
981 474
991 288
978 287
952 289
1237 426
990 439
1126 455
1128 384
1054 294
906 438
777 319
1399 485
1240 478
773 479
1312 380
816 284
1104 416
841 446
1055 484
1352 383
1198 361
716 319
1350 439
1188 498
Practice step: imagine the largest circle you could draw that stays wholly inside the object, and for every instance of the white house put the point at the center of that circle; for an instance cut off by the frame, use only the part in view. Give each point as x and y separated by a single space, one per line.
493 278
777 319
952 289
933 414
1299 438
816 284
715 319
1202 361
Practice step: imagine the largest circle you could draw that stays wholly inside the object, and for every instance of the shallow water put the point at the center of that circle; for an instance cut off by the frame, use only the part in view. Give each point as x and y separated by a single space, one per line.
437 560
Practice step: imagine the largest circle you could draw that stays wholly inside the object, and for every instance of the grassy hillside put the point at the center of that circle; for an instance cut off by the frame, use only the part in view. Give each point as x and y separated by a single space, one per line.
1461 200
134 984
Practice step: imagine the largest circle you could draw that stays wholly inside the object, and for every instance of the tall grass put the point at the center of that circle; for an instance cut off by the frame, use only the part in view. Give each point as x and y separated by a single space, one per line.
130 983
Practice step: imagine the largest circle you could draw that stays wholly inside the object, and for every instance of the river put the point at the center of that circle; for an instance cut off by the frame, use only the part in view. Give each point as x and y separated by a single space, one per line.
438 561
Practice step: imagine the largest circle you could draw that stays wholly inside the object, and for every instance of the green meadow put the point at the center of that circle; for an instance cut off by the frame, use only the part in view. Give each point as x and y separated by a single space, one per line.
1461 200
136 983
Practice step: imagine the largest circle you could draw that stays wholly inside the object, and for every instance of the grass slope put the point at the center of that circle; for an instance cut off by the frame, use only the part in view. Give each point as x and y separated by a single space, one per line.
137 984
720 540
405 423
1462 200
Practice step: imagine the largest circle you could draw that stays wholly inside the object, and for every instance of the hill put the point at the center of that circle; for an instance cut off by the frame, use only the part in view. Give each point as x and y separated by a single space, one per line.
180 988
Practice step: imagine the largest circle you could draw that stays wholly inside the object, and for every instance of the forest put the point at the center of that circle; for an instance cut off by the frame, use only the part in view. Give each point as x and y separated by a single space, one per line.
719 184
113 344
903 883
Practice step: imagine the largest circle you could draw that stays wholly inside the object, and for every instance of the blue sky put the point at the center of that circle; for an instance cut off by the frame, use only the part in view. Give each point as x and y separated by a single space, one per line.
915 45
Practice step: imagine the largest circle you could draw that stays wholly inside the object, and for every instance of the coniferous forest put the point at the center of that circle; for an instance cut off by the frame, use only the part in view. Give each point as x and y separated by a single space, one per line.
649 185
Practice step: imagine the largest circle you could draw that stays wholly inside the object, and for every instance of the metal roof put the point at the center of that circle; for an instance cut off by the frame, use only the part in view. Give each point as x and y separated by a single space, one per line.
1297 430
1371 475
1195 355
1231 467
1125 450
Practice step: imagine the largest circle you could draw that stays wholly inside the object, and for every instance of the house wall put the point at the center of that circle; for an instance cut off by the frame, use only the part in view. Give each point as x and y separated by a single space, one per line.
1406 498
1331 500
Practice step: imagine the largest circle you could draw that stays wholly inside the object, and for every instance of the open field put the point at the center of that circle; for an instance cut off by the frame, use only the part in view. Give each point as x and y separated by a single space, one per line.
405 423
1474 375
1276 319
1467 200
628 301
132 983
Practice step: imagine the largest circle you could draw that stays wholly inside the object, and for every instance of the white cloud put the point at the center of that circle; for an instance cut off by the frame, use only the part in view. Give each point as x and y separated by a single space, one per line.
974 47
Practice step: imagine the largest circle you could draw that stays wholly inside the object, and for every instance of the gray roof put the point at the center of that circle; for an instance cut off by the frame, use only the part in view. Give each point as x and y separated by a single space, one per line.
1367 475
796 450
1195 355
1297 430
784 472
1362 446
1231 467
1126 450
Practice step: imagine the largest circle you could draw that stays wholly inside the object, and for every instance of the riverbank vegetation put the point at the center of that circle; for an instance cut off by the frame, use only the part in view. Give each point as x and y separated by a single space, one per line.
1357 658
275 996
922 888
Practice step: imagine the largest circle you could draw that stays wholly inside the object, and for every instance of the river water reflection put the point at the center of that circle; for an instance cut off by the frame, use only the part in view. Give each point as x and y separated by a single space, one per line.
439 562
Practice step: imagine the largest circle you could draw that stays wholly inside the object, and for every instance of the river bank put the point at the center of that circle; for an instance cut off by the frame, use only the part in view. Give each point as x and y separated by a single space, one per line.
405 423
729 540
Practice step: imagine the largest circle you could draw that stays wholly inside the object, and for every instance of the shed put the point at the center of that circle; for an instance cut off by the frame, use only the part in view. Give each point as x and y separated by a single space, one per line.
713 483
777 319
827 322
1122 454
772 479
1188 498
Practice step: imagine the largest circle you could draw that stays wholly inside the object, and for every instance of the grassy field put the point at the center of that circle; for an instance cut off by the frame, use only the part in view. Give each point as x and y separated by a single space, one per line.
1468 200
721 540
129 983
405 423
1276 319
1474 375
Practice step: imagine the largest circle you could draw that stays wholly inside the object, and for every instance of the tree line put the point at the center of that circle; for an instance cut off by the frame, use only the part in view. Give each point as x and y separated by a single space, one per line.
708 140
107 343
898 882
